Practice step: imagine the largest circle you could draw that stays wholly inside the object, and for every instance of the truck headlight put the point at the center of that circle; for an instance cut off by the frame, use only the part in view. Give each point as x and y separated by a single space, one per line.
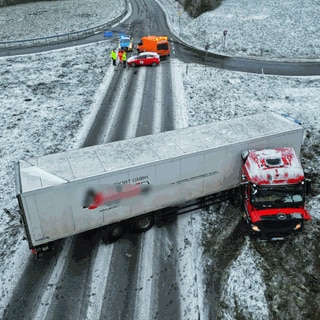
297 227
255 228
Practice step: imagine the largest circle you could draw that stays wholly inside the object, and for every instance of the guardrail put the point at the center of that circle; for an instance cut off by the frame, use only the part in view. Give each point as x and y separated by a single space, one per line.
76 35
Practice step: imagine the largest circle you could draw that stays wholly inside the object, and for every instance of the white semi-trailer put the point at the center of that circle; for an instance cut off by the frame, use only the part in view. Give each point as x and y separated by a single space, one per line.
135 182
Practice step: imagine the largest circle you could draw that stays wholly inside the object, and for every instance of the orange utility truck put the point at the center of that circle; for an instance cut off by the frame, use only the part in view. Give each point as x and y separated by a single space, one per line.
157 44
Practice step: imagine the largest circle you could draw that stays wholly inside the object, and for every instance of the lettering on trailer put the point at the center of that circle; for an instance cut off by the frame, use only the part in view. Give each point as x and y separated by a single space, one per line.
136 180
197 177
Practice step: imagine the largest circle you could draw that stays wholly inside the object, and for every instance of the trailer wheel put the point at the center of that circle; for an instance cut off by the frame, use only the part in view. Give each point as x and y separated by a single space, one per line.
143 223
112 233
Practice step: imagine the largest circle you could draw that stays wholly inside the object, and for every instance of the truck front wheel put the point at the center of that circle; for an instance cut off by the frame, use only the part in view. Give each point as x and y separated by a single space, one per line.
143 224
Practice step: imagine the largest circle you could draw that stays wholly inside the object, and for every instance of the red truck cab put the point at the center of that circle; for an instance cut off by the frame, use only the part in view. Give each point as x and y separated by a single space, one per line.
273 190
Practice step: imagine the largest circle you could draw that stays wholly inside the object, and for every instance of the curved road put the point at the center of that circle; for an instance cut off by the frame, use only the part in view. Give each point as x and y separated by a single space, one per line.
143 22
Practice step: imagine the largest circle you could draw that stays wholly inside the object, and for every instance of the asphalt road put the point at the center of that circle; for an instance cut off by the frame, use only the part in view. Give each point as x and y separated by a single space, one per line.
141 24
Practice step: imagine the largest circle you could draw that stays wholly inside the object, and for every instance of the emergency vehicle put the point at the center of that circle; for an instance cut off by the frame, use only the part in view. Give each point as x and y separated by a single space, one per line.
126 43
158 44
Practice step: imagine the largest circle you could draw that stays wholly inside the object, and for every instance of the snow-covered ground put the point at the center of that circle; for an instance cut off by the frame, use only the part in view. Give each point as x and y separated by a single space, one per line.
43 19
261 29
46 98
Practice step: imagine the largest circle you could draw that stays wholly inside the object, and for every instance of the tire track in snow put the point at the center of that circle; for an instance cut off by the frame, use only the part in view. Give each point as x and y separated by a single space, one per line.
189 267
156 127
180 113
116 106
143 301
99 281
145 281
47 296
135 106
96 105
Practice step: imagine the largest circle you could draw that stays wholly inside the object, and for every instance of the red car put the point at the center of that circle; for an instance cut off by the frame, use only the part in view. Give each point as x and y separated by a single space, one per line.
144 59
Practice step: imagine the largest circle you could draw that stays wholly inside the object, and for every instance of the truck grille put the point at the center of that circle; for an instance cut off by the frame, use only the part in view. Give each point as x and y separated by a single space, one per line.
279 223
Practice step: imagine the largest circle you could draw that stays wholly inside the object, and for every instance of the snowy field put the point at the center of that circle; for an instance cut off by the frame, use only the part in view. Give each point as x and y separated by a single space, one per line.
260 29
45 100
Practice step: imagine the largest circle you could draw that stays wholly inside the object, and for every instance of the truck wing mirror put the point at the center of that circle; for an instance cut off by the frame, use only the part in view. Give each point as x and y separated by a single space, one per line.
244 155
243 178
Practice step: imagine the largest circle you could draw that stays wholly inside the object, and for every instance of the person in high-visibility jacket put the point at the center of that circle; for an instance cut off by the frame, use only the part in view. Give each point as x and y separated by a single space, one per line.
113 56
124 58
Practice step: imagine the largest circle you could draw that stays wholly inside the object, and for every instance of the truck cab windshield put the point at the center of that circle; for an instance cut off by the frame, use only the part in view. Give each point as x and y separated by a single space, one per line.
277 197
162 46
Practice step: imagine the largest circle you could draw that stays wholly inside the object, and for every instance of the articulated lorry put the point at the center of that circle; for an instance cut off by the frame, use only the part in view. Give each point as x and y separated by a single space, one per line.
134 183
158 44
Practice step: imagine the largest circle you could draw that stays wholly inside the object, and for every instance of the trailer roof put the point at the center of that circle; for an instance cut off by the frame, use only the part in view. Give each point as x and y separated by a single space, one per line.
52 169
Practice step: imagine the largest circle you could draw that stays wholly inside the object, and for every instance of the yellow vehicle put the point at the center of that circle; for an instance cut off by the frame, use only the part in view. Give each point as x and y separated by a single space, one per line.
158 44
